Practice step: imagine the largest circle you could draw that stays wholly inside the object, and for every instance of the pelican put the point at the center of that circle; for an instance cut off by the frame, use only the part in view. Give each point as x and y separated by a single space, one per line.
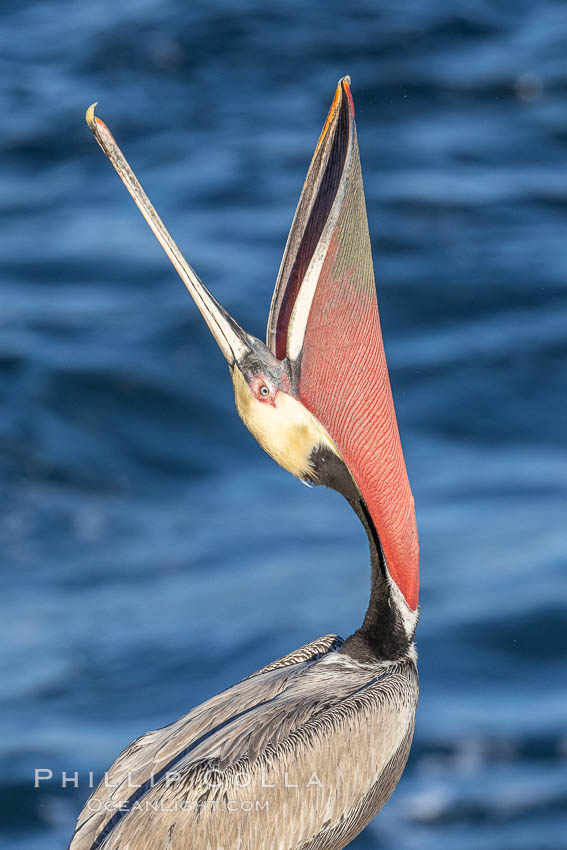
301 754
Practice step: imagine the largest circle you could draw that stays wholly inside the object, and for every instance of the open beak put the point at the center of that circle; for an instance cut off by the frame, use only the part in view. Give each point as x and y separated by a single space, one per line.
324 319
324 324
231 339
316 229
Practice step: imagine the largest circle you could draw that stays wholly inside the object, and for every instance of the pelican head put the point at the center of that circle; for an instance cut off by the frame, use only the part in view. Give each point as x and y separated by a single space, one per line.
270 408
317 395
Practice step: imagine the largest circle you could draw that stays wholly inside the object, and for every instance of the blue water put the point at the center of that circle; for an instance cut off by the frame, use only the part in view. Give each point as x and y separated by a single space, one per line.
151 553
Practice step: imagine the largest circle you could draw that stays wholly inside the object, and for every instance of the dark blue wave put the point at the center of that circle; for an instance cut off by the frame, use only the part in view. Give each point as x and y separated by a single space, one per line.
151 553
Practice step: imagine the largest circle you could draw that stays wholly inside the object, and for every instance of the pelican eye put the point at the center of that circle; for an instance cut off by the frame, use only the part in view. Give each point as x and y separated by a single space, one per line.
264 391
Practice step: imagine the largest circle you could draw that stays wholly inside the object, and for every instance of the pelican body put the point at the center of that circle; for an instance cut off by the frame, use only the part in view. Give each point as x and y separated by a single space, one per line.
301 754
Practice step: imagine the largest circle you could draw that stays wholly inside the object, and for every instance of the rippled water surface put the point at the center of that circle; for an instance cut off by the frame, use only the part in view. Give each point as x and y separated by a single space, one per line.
151 553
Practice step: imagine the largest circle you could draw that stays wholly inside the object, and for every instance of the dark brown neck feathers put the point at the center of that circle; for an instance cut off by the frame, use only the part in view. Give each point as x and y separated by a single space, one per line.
382 635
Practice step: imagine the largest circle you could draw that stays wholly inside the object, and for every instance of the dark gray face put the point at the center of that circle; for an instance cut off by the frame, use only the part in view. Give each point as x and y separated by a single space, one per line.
264 373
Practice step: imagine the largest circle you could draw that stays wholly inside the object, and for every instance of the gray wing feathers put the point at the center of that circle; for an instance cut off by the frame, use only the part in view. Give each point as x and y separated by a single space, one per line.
338 835
312 740
311 651
147 755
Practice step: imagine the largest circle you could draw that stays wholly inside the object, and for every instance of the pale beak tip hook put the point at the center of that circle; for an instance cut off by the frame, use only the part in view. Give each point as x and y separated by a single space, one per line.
90 117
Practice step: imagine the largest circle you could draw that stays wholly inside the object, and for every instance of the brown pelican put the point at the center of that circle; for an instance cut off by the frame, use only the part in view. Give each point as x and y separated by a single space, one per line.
305 751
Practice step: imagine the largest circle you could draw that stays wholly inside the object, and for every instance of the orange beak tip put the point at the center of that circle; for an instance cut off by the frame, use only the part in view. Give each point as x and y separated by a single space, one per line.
332 112
346 86
94 123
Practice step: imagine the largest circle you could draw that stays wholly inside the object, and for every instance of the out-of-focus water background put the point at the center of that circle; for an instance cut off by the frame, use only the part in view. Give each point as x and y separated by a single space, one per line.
151 554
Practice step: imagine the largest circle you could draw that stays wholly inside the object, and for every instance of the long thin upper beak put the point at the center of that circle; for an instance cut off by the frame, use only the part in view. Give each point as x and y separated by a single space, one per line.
231 339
